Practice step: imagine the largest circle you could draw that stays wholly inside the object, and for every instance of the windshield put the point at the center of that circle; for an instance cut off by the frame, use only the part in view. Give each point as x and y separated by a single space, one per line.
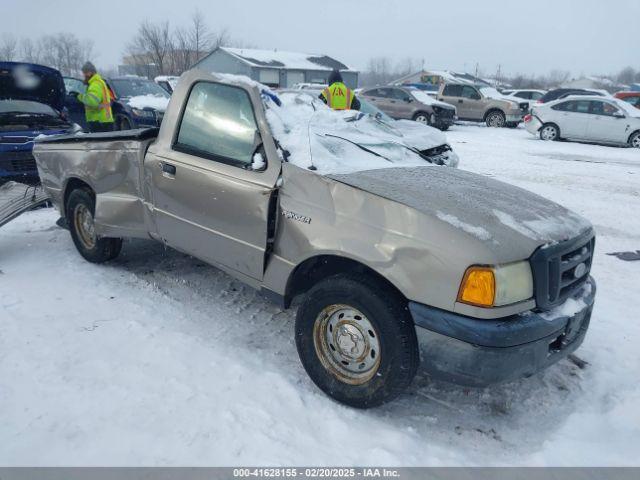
490 92
133 87
26 108
628 109
73 85
423 97
366 107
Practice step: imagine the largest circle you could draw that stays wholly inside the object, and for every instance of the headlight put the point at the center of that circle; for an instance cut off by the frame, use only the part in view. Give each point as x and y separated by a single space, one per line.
496 286
138 112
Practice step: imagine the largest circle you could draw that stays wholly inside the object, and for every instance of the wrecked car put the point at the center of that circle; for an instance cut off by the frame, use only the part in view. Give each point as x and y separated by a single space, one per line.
31 104
393 262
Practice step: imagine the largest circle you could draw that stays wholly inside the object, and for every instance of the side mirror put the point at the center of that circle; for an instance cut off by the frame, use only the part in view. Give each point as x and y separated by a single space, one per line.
619 115
408 99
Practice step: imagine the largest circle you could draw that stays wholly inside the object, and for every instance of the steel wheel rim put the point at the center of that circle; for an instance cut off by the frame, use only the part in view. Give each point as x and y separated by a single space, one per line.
495 120
347 344
83 221
549 133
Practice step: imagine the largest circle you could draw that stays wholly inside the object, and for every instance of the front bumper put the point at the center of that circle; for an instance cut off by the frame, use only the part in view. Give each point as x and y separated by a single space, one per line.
477 353
514 117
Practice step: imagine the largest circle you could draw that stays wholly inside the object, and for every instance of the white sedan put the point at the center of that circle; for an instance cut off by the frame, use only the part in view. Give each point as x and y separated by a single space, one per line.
587 119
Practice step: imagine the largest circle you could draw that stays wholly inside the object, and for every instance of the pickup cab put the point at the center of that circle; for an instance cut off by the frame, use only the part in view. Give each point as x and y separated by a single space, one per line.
391 261
481 103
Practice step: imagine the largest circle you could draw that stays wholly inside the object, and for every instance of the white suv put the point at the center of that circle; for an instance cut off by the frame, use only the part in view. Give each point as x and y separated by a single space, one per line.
588 119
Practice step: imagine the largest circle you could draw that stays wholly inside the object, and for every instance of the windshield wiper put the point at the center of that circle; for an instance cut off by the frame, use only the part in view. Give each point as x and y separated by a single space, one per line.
28 114
360 147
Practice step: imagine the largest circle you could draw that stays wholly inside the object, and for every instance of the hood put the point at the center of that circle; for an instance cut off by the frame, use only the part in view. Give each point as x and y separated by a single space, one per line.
505 218
36 83
419 135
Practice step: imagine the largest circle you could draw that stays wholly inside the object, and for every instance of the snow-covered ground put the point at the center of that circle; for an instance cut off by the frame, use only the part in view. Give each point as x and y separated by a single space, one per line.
157 358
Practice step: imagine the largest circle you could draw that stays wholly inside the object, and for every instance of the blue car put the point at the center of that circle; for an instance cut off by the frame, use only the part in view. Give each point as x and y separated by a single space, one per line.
32 103
138 102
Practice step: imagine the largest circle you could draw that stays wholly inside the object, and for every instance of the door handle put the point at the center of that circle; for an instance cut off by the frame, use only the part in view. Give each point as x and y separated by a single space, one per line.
168 168
460 101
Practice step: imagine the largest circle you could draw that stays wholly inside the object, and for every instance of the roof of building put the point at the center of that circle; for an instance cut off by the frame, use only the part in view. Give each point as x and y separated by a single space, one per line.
282 59
446 75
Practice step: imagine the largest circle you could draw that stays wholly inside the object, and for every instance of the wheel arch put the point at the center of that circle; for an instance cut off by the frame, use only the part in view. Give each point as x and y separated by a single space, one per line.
72 184
315 269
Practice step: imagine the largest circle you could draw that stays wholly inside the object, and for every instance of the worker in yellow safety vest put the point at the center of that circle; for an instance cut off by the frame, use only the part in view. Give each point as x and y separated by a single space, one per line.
97 101
337 95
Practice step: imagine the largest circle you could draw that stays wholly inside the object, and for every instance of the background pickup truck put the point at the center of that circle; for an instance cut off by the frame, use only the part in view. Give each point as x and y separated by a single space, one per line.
480 103
394 260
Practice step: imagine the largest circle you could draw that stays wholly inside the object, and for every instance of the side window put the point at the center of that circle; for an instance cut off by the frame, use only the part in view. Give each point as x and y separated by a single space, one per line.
452 90
603 108
635 101
218 123
398 94
372 93
470 92
582 106
536 95
565 107
384 93
525 95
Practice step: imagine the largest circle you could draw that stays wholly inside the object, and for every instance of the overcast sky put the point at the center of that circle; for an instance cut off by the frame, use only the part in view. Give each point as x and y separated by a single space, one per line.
535 36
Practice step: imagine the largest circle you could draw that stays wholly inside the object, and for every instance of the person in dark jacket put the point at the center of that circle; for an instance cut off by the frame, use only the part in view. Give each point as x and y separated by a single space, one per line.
337 95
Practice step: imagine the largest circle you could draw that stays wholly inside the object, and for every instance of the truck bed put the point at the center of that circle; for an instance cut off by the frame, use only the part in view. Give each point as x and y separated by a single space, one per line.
111 164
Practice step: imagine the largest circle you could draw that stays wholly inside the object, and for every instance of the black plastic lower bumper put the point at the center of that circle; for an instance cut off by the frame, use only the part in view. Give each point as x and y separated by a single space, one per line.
478 353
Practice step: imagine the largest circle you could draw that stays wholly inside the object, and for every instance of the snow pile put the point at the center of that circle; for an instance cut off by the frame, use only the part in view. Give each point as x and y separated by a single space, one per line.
258 162
156 102
570 306
477 232
333 141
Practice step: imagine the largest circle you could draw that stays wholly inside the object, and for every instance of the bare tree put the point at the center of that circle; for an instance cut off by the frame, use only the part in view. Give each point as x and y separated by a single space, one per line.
8 47
627 75
30 51
152 45
63 51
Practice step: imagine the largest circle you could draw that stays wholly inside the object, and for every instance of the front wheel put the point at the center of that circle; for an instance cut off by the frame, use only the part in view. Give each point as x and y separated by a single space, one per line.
549 132
356 340
422 117
634 140
80 212
496 119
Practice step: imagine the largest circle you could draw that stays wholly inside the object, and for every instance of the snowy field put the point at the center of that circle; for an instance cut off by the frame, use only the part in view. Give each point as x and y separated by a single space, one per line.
159 359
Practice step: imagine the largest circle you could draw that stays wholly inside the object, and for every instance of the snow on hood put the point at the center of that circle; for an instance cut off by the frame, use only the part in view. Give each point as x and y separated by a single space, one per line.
502 216
427 99
491 92
342 141
156 102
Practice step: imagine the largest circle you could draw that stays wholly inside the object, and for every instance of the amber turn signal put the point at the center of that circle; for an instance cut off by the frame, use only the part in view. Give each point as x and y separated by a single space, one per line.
478 287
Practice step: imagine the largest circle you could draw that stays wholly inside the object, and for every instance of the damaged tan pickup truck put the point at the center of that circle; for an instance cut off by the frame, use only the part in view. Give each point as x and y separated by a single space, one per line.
397 262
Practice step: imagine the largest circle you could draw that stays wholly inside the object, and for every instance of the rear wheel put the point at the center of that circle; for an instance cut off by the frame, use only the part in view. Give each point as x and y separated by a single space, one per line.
549 132
356 340
495 119
634 140
422 117
80 211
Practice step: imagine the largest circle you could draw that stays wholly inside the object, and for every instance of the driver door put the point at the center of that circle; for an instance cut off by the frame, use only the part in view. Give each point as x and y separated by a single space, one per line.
207 199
